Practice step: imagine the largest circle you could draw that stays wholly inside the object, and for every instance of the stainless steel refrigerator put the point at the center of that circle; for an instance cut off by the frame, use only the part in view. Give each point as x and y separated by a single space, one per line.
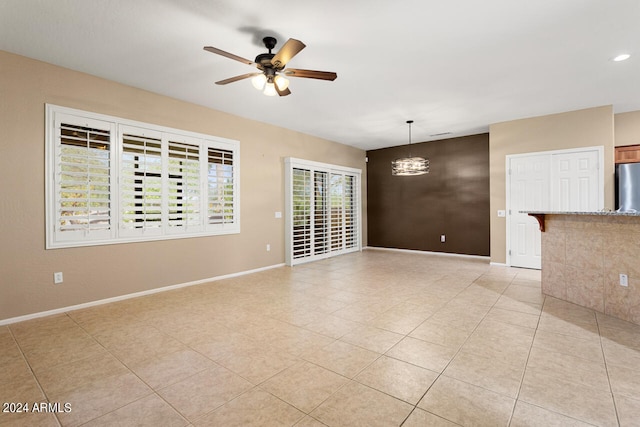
628 184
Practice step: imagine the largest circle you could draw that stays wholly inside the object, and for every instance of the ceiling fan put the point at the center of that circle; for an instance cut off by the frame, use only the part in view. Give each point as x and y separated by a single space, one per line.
271 77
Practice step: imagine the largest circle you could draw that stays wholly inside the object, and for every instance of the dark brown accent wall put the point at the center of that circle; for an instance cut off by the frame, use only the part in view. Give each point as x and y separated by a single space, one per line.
412 212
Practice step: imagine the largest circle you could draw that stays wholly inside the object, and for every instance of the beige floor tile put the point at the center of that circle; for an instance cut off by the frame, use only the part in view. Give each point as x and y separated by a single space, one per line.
526 415
221 345
49 347
399 322
343 358
359 312
304 385
421 418
30 419
508 303
499 348
149 411
276 329
258 364
570 327
205 391
569 368
254 408
567 398
75 374
438 333
589 349
137 342
332 326
513 317
296 341
628 410
161 371
565 310
467 404
625 381
92 400
309 421
372 338
460 315
358 405
18 384
398 379
421 353
620 354
526 294
478 295
486 372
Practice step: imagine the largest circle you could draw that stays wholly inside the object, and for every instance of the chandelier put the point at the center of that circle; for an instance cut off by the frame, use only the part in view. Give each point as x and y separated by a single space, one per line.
407 166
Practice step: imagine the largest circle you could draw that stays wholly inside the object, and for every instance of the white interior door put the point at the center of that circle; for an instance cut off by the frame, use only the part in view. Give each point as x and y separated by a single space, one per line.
575 180
529 191
570 180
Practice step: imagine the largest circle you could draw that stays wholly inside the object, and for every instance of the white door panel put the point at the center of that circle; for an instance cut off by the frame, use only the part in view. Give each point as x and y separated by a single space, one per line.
554 181
529 191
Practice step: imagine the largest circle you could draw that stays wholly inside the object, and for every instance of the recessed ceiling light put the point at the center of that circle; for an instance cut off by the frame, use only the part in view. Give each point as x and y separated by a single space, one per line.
622 57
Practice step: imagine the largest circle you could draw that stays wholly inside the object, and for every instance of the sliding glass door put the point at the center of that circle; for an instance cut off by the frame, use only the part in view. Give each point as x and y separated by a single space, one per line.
323 210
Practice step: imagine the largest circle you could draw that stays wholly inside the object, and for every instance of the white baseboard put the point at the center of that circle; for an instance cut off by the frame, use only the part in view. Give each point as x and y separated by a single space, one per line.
413 251
129 296
499 264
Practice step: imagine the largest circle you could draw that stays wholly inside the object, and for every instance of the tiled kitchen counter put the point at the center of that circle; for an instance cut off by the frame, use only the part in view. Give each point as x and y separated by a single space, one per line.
583 255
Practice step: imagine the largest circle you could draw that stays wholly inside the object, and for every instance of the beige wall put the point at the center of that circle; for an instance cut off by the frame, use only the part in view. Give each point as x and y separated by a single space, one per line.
627 128
94 273
583 128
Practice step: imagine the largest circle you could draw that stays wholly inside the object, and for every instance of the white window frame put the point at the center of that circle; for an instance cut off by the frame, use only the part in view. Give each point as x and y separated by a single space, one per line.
350 234
226 180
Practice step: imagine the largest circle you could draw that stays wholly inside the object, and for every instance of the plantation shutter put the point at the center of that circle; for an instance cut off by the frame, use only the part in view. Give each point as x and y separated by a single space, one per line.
337 209
81 181
351 209
302 211
111 180
184 187
321 220
323 215
141 183
221 197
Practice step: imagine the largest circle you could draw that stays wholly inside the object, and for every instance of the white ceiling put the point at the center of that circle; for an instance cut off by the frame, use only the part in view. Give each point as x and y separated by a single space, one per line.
450 65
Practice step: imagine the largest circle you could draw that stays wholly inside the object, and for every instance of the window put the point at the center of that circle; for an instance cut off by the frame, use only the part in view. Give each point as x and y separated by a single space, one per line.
323 210
111 180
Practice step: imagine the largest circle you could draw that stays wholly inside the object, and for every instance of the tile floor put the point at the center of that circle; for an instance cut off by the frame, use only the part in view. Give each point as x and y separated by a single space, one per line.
377 338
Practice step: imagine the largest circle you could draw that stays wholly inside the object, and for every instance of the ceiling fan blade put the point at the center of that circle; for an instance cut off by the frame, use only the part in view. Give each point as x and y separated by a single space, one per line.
310 74
236 78
290 49
283 92
229 55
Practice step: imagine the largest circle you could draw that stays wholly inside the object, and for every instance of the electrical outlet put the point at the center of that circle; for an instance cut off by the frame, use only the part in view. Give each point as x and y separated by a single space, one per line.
624 280
442 238
268 247
57 278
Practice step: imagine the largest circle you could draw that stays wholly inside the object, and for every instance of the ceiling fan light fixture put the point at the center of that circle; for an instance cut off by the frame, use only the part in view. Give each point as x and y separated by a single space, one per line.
281 81
270 89
259 81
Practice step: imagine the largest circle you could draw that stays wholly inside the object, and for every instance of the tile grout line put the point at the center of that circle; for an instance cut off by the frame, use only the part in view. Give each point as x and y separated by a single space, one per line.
606 367
35 377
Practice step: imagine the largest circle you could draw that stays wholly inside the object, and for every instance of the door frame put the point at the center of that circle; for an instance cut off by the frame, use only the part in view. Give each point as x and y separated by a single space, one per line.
599 149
